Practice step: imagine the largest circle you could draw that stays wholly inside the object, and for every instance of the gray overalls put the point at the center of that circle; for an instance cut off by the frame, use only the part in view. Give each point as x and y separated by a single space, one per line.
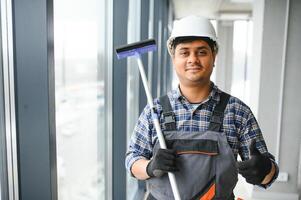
207 167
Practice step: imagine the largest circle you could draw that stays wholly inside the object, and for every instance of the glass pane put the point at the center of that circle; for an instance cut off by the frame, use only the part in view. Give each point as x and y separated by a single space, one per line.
80 115
132 86
242 45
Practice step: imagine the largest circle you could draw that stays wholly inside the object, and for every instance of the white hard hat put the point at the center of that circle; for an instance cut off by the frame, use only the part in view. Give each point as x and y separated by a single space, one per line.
191 26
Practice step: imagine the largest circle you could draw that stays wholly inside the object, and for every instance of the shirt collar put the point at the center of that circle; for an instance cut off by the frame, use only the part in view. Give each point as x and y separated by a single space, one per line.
213 95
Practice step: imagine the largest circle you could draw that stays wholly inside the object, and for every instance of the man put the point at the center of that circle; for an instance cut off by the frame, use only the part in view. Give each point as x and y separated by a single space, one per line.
204 128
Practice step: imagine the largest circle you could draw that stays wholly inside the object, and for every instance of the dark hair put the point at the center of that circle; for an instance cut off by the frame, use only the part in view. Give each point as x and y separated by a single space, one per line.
212 44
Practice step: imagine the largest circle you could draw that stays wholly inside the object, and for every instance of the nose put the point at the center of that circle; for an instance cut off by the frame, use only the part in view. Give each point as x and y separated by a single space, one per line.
192 58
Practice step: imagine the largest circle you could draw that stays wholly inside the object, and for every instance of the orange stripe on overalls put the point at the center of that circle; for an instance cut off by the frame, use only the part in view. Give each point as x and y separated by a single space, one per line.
210 194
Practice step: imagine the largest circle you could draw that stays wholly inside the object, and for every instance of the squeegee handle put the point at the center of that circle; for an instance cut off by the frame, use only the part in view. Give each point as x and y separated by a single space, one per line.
162 143
171 176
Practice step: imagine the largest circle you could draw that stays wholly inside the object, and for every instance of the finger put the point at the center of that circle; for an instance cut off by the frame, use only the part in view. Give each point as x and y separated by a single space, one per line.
167 151
244 165
246 173
170 163
169 156
171 169
248 178
166 154
253 180
172 152
253 150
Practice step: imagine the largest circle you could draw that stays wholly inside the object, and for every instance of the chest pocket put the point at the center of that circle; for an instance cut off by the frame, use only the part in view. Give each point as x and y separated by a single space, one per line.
193 146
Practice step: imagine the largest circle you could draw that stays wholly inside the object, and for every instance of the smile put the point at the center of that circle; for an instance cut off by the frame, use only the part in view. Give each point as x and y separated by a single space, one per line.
193 69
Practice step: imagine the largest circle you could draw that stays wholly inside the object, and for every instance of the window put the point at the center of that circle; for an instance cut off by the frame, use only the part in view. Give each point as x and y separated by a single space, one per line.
242 40
80 104
132 86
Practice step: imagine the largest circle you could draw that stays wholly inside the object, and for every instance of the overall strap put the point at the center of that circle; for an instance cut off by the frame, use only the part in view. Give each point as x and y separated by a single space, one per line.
217 117
168 114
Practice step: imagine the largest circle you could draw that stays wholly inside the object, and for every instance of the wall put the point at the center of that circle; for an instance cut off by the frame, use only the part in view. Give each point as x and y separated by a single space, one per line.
279 98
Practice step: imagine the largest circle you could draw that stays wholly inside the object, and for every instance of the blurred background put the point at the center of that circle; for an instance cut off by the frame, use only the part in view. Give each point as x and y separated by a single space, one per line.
68 106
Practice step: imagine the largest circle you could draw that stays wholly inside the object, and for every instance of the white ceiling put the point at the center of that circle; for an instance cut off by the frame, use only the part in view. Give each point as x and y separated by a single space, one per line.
214 9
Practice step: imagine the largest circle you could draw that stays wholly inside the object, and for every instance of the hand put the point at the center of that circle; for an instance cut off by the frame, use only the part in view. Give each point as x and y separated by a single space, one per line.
163 161
256 168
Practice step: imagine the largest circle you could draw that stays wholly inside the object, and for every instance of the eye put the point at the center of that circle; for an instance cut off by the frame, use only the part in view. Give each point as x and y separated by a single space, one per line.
184 53
202 53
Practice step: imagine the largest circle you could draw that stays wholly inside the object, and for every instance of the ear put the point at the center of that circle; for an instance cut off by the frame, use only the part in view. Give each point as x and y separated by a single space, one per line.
173 59
213 57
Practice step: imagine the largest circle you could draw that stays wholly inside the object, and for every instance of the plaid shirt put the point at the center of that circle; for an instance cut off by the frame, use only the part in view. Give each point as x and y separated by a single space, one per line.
239 125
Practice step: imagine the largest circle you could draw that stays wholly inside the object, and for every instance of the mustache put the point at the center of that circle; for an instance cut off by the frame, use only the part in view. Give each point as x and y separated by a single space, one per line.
194 66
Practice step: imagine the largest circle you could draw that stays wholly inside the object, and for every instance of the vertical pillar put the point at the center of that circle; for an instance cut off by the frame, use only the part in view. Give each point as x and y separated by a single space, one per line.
34 91
271 70
119 80
224 63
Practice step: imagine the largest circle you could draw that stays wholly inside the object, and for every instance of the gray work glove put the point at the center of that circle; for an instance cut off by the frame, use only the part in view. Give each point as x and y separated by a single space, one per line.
163 161
256 168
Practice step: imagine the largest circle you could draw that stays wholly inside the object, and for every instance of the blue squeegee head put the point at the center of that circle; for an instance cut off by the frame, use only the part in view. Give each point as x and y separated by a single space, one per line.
135 49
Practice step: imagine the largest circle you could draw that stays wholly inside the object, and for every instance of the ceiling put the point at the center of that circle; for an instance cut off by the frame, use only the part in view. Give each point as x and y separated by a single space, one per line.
214 9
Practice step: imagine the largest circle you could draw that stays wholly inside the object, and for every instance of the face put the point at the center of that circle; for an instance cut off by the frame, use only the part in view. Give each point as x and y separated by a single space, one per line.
193 62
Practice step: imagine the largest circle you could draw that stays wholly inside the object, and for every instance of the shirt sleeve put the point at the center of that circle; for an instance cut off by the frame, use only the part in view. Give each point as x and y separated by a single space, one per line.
140 146
249 131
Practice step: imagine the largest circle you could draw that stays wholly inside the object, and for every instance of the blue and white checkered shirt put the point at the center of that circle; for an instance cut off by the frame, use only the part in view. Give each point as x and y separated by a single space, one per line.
239 125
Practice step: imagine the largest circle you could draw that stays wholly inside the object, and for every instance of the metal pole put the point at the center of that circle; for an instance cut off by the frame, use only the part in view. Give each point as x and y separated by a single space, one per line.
162 143
9 98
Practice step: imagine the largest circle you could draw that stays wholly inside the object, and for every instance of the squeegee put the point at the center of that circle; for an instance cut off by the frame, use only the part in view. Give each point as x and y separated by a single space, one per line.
135 50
